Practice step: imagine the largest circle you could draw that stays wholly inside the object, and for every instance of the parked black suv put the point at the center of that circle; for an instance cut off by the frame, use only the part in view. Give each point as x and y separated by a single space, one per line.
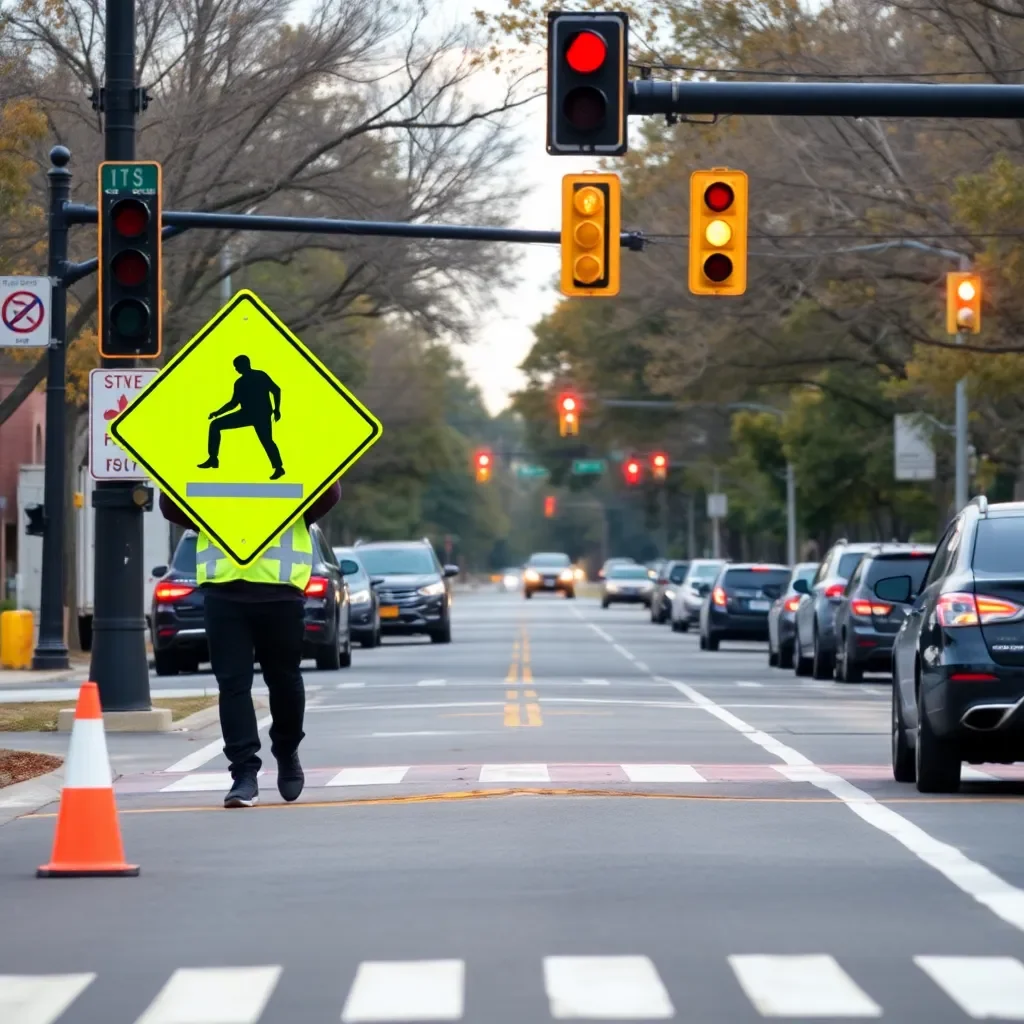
415 590
865 626
741 598
178 627
958 660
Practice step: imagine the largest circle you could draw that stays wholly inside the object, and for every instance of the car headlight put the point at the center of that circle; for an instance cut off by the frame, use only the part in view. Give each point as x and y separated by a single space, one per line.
612 588
532 576
670 594
359 597
511 581
432 589
566 576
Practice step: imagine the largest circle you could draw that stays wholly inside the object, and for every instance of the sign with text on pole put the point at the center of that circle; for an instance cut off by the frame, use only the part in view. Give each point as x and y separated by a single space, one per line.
914 453
110 393
718 506
25 312
245 428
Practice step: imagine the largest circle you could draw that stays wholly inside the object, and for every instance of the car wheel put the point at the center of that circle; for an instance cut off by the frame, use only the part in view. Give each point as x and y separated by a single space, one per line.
936 760
527 594
677 627
570 594
847 672
684 626
345 654
801 665
773 659
329 658
786 655
703 642
604 604
442 635
711 643
166 663
904 768
822 664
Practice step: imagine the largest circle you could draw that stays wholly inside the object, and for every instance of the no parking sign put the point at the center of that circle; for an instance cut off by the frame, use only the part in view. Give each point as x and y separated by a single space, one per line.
25 312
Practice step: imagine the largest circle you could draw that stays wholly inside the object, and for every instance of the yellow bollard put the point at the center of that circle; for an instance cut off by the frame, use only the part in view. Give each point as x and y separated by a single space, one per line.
17 633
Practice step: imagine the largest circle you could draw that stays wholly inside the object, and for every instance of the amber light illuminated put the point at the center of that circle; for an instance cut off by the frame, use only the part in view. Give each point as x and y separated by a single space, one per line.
718 596
966 609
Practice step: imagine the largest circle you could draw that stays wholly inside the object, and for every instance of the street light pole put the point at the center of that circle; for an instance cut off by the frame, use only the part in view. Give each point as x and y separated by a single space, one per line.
716 536
790 514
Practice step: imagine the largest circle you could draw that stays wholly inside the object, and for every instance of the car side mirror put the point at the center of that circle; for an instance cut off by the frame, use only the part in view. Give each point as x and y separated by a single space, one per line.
376 581
158 571
801 587
703 589
348 567
451 570
899 589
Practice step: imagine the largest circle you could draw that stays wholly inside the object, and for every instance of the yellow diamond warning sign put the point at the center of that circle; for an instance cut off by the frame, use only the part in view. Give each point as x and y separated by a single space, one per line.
245 428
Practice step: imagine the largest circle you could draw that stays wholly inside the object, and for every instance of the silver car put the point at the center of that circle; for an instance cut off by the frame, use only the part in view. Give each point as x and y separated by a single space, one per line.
691 593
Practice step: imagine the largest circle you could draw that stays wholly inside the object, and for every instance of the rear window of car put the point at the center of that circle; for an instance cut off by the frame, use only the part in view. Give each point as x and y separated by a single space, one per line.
628 572
914 566
704 572
751 579
554 561
185 556
848 563
999 545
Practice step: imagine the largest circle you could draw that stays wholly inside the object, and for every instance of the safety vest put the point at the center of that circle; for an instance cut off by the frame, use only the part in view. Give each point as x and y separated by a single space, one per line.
289 560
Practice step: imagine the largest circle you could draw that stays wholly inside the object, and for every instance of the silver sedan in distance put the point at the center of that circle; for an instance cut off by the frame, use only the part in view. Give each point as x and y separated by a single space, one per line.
627 584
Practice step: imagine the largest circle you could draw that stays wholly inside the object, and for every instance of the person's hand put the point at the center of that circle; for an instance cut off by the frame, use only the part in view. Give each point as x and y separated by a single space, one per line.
212 415
277 415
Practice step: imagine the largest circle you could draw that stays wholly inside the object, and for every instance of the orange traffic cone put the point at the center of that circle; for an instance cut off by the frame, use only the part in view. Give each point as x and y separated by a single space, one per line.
88 839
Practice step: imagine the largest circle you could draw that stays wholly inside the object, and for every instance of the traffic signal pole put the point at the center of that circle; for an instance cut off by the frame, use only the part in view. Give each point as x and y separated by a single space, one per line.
119 664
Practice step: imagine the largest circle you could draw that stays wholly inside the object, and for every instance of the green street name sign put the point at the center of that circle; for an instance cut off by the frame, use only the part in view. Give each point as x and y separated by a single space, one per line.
134 178
588 467
529 471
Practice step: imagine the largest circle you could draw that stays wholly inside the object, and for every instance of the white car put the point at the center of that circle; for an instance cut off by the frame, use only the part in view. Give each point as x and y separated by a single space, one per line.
692 592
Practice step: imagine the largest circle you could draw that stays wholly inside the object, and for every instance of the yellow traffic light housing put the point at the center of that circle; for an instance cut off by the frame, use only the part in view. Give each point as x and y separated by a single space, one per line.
483 466
718 232
568 415
963 303
591 228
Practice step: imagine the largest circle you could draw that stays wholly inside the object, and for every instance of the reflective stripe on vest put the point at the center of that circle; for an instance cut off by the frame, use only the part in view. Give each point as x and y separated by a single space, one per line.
290 560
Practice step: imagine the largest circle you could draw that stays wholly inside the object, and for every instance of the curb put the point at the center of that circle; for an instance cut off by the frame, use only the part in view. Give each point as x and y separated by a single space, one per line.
29 796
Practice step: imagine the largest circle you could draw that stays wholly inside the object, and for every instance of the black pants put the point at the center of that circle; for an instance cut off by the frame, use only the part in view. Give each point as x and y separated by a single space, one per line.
235 421
239 633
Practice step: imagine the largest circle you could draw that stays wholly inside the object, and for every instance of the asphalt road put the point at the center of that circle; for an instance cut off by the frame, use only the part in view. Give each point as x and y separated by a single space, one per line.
566 813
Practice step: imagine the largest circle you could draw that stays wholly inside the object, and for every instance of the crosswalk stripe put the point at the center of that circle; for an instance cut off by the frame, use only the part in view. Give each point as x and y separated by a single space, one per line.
406 990
514 773
662 773
386 776
432 682
351 686
595 682
801 986
605 988
982 986
39 998
201 782
213 995
969 774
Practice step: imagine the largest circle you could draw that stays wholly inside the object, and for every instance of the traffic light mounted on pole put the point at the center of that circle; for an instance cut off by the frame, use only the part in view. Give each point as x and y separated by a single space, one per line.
659 465
483 462
963 302
718 232
550 506
631 471
591 228
588 105
568 415
130 306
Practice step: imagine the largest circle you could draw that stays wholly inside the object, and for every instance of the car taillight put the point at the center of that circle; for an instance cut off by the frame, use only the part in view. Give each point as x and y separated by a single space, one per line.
869 608
317 586
718 596
792 603
963 609
168 591
834 590
760 568
973 677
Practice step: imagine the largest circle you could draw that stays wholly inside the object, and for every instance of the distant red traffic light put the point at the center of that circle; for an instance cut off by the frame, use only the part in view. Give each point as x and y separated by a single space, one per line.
632 472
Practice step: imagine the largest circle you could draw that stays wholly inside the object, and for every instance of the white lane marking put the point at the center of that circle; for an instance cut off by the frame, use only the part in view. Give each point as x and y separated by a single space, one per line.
605 988
977 881
350 686
386 776
202 782
410 707
432 682
623 651
39 998
662 773
969 774
213 995
642 666
200 757
514 773
749 685
982 986
595 682
406 990
875 691
801 986
599 631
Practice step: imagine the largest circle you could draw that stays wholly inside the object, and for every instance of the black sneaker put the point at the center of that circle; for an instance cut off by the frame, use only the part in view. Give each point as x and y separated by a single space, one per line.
244 793
290 777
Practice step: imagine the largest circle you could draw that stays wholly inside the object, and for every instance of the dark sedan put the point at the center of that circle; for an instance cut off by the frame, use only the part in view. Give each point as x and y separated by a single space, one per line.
740 601
177 623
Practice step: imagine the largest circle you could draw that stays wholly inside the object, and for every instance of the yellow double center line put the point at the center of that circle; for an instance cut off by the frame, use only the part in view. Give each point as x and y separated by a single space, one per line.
519 671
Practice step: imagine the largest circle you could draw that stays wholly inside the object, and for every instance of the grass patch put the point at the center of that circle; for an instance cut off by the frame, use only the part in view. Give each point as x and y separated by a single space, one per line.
41 716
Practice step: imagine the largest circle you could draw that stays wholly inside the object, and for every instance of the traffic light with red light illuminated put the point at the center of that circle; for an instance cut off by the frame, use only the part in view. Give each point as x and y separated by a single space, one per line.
484 463
718 232
963 303
568 415
587 81
659 465
591 233
549 506
130 306
631 470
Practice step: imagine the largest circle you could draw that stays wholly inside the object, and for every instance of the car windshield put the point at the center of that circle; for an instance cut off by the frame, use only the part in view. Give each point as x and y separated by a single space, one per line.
848 563
999 546
704 572
185 556
549 561
754 579
411 561
628 572
914 566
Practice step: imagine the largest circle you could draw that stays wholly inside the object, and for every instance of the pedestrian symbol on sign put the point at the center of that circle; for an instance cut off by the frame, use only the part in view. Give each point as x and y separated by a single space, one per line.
257 399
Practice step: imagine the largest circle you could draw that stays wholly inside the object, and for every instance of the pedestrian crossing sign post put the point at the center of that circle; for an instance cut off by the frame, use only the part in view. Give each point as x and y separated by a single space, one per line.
245 428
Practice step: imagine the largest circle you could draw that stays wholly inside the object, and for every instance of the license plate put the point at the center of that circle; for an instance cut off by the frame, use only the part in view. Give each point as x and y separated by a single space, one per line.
389 611
549 583
760 606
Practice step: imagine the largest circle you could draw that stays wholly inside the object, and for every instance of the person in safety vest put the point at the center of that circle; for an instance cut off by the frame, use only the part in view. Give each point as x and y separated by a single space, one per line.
258 614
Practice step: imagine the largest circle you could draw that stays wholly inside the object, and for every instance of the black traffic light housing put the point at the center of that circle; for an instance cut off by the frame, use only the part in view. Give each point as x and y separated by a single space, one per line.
130 307
36 520
588 103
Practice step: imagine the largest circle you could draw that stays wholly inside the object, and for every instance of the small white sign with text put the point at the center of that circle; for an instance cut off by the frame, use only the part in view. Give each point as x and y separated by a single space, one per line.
110 391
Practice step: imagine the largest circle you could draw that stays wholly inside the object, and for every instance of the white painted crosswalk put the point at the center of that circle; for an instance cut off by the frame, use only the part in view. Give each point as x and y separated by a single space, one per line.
621 987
